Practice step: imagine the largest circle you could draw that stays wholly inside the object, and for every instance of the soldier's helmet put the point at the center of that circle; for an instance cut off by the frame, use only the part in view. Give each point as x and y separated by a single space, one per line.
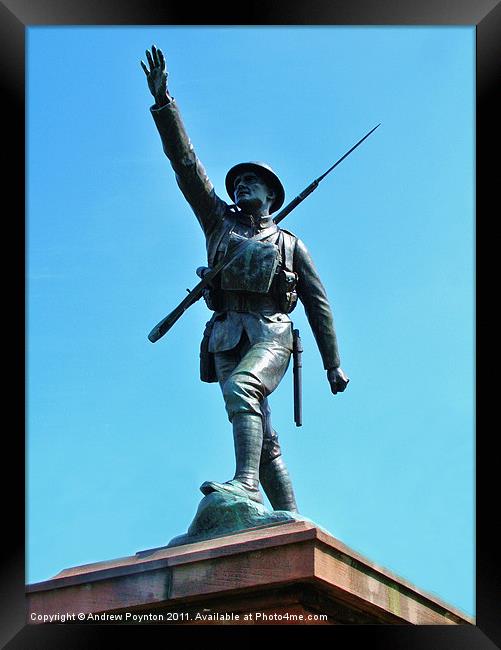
263 170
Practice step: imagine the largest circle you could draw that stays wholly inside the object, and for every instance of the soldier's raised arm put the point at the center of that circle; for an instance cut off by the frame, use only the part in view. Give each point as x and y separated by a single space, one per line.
190 173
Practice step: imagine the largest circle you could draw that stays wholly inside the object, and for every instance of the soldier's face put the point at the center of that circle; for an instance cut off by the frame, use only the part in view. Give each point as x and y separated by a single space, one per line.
252 193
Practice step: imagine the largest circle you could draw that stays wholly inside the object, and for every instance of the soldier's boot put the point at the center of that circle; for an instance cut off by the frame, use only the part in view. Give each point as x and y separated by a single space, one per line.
276 482
248 440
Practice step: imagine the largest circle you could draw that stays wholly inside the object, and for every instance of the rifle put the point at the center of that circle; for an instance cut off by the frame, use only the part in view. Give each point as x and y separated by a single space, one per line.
196 293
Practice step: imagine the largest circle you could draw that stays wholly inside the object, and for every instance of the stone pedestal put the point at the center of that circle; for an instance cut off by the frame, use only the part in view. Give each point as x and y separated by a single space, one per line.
292 573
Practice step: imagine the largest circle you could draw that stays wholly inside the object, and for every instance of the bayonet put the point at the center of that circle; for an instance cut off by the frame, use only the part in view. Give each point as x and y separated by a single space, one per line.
313 186
297 371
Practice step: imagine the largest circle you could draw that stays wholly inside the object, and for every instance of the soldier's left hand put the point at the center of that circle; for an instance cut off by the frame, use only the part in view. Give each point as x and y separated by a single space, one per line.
337 379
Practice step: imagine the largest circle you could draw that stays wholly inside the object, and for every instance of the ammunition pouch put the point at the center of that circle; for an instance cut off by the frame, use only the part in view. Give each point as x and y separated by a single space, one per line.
254 270
285 290
261 280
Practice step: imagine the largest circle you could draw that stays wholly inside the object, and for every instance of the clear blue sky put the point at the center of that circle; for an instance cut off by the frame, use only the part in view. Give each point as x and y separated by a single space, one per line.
121 432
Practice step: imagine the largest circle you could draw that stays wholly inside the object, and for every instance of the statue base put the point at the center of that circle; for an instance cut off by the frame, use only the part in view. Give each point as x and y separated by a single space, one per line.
289 573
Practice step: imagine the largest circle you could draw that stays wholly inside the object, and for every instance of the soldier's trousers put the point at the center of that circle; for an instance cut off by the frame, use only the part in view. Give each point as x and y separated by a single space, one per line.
247 374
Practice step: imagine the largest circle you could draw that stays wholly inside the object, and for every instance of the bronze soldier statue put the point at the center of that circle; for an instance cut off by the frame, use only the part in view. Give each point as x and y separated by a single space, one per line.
247 344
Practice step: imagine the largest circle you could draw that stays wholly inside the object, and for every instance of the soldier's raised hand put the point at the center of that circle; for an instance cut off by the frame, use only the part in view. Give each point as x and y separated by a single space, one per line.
337 380
156 75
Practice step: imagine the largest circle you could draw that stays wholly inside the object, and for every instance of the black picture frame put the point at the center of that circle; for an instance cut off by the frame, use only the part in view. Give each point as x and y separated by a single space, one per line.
15 17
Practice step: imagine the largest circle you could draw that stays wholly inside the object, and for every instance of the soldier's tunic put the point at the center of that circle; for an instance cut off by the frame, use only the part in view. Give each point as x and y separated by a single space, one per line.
250 336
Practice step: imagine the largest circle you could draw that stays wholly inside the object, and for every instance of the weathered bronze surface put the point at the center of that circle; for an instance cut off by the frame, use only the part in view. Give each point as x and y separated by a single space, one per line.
248 341
220 513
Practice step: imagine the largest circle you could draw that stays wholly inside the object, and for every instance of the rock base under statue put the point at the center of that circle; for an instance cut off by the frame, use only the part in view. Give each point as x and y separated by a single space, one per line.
221 514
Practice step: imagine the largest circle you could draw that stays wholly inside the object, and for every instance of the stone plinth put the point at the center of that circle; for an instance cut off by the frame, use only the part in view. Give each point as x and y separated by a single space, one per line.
260 576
